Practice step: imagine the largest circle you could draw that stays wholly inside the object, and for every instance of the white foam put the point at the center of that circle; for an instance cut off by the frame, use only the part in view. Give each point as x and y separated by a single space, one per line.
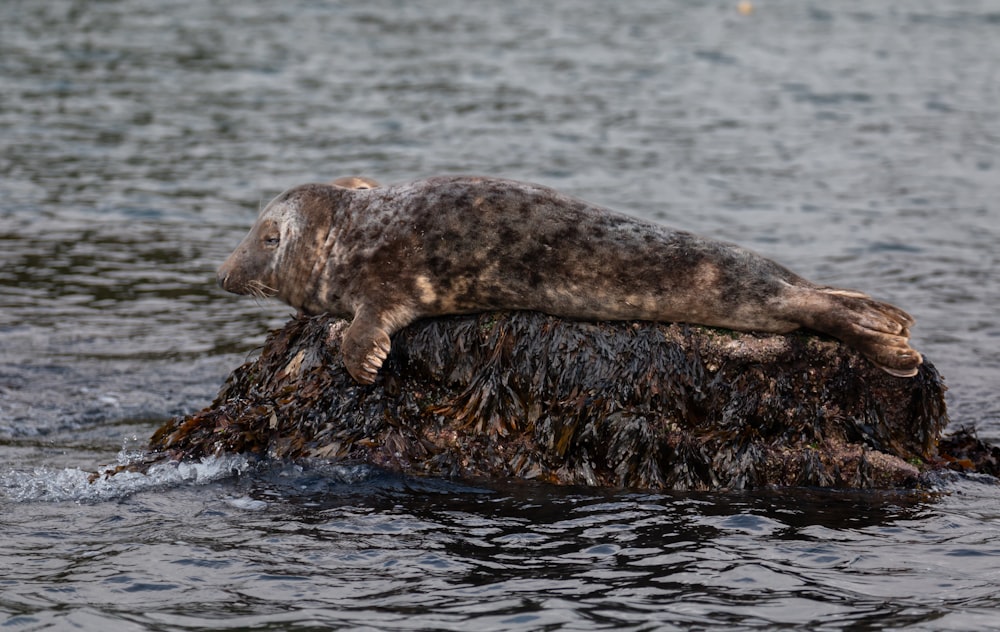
52 485
246 503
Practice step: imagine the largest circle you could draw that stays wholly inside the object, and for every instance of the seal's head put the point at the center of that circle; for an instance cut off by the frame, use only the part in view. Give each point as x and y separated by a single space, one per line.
271 260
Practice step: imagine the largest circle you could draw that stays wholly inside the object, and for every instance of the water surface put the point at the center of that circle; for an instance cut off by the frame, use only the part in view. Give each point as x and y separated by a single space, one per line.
855 142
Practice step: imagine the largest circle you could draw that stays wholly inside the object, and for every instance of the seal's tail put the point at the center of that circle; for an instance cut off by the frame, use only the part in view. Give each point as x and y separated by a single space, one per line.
878 330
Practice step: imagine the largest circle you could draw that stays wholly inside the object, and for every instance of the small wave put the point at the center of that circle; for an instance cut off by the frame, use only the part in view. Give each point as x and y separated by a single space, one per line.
52 485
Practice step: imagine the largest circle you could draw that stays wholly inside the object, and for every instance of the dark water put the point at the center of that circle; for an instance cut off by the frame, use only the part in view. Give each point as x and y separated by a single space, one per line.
856 142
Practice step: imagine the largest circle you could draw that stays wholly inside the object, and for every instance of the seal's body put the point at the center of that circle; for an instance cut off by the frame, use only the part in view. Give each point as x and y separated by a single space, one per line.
387 256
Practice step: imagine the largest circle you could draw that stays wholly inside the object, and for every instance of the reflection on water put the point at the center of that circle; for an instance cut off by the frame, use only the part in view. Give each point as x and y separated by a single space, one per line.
854 142
293 546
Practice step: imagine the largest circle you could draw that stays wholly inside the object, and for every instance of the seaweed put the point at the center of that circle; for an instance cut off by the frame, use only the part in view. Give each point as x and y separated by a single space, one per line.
523 395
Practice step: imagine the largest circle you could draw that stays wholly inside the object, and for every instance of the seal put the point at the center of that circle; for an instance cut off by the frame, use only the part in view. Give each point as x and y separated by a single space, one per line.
383 257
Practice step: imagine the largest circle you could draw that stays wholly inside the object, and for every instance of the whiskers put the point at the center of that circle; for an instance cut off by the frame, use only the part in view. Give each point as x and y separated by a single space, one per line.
260 291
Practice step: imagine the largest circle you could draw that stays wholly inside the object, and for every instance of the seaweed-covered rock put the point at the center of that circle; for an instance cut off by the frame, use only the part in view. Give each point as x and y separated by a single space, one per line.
526 395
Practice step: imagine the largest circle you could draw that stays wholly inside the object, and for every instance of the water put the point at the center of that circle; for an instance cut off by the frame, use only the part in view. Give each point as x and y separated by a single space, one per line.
858 143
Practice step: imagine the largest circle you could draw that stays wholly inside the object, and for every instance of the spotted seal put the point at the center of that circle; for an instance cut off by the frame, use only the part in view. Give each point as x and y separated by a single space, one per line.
386 256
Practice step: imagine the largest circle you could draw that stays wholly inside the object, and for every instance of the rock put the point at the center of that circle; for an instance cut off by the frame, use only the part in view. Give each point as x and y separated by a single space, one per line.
520 395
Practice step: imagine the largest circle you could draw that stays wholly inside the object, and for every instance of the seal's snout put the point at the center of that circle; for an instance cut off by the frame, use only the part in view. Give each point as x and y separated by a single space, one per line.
223 274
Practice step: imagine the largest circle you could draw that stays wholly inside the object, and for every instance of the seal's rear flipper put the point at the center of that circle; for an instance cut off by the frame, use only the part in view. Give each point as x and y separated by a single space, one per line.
891 353
878 330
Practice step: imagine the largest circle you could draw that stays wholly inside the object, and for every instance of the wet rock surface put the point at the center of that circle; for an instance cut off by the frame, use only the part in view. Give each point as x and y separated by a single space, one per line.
528 396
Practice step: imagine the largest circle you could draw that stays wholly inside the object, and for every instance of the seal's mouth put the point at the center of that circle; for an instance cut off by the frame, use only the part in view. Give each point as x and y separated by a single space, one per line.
254 287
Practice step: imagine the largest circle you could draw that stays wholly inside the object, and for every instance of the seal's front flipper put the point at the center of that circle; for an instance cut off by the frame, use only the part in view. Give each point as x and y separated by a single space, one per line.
365 347
355 182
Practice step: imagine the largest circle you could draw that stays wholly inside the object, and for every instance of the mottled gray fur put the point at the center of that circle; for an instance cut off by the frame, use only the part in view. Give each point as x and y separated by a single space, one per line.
386 256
